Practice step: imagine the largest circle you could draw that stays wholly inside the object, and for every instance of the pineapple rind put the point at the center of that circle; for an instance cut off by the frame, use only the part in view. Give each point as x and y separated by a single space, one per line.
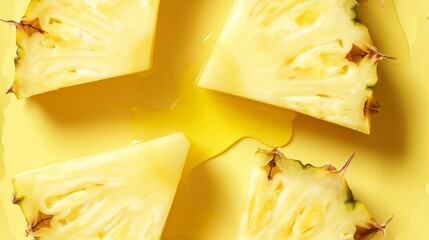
83 41
299 202
266 54
122 194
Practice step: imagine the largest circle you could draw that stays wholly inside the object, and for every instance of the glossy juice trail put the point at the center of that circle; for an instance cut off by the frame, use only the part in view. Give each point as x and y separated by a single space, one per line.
214 122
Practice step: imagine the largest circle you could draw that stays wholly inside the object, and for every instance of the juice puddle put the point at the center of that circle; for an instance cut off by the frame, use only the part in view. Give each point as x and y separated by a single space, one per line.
213 122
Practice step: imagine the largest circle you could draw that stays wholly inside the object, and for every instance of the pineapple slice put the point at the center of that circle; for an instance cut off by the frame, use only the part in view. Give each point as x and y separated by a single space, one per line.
287 200
123 194
309 56
64 43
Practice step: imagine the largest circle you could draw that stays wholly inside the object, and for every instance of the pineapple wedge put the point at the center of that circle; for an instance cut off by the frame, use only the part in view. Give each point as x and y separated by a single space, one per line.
63 43
309 56
123 194
287 200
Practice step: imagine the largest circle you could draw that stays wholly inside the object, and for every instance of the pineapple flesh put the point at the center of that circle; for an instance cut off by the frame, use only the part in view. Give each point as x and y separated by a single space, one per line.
122 194
63 43
289 200
309 56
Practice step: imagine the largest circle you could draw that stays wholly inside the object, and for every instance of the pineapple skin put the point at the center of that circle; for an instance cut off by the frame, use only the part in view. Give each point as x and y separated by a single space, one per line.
289 200
122 194
312 57
63 43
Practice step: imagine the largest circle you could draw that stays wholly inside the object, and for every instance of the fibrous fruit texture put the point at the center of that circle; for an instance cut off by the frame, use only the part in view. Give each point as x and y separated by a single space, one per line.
68 42
122 194
289 200
310 56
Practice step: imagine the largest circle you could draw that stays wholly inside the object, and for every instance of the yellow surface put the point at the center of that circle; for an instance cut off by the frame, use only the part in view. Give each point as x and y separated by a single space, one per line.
390 173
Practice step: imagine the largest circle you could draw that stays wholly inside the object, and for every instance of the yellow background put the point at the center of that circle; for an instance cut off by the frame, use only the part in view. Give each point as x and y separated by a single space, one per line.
390 173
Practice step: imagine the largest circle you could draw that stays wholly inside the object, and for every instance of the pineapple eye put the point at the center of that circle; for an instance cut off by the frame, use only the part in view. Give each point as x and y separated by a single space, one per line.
371 107
31 27
41 221
271 164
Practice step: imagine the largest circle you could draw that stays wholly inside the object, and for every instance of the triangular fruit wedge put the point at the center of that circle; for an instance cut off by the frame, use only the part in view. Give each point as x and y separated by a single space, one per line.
310 56
123 194
63 43
289 200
